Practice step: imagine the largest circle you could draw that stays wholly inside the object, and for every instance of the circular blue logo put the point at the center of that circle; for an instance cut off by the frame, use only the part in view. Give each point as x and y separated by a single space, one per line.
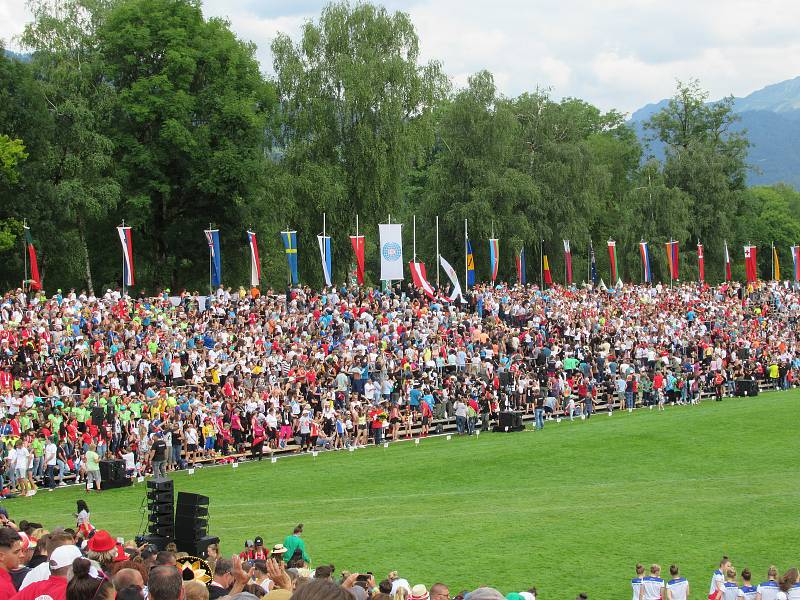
391 251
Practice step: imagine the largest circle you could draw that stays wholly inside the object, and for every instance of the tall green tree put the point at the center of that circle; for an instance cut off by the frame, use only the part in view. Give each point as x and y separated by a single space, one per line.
191 131
356 108
79 167
472 177
706 159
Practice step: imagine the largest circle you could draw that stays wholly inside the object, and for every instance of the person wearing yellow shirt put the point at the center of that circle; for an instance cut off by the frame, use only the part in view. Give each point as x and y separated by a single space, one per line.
209 436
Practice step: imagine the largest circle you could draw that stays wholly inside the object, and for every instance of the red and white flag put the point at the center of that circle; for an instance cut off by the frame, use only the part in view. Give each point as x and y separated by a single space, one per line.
701 262
727 263
127 255
420 278
255 263
568 261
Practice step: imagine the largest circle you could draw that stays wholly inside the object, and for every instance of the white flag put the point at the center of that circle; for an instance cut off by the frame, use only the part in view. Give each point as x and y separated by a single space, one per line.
451 273
391 251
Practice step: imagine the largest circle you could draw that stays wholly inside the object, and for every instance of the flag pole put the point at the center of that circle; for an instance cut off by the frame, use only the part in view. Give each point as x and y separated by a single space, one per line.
25 250
210 249
589 262
773 259
437 252
541 264
123 260
466 258
414 238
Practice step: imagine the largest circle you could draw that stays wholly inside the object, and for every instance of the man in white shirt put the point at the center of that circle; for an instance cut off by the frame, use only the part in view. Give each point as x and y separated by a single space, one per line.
50 462
23 459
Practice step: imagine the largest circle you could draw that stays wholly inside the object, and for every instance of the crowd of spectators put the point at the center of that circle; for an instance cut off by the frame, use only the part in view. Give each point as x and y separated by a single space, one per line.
170 381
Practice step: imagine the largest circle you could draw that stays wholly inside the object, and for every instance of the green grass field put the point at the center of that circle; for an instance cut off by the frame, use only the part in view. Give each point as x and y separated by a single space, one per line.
569 509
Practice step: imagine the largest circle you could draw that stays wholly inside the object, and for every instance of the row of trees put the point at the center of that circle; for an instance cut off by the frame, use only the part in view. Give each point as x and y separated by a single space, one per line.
146 111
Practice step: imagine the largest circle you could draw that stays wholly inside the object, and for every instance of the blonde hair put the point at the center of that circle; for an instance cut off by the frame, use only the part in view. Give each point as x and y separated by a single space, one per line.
195 590
400 593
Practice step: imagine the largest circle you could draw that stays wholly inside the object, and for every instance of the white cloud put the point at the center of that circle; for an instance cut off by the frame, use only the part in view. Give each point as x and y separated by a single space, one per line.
615 53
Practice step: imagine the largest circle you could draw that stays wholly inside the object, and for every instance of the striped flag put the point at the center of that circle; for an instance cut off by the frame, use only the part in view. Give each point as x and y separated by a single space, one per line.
592 263
796 262
647 273
568 262
672 260
548 278
612 258
255 263
521 266
289 239
127 255
727 259
420 278
212 237
470 265
494 257
324 242
701 262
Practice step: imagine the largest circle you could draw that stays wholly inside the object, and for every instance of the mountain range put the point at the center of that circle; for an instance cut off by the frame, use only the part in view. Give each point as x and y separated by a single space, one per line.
771 117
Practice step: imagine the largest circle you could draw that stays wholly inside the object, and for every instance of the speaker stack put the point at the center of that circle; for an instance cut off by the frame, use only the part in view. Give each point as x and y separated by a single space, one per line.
112 474
191 525
160 514
509 421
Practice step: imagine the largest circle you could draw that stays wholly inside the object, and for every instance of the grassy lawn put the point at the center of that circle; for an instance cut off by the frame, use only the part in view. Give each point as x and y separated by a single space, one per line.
569 509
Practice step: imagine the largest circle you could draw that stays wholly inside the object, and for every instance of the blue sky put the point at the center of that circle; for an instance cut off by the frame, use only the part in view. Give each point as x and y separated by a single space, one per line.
614 53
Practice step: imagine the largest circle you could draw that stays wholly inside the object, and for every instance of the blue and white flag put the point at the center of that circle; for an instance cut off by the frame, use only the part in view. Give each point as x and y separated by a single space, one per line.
391 239
212 237
324 242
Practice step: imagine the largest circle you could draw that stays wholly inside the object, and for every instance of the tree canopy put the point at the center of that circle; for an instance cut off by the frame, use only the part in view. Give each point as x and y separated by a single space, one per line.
148 112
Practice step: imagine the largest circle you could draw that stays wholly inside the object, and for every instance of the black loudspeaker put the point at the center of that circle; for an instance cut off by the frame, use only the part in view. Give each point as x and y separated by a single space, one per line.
746 387
191 524
160 511
509 421
112 473
112 470
199 547
158 541
98 415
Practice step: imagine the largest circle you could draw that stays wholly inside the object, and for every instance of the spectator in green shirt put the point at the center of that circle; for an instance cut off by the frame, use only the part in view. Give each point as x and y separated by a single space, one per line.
294 544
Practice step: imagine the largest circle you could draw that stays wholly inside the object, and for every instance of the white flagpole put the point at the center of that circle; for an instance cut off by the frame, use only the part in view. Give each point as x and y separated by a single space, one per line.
25 251
123 260
414 244
437 252
210 246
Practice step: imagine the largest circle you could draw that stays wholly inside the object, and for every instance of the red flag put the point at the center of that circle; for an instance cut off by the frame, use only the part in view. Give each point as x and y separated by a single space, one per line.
35 280
750 263
358 248
701 262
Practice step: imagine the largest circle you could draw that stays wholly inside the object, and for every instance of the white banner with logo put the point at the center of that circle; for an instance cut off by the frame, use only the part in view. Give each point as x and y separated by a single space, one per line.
391 239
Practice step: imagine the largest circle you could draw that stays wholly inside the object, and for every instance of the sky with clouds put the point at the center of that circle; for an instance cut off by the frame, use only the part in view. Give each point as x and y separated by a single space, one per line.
614 53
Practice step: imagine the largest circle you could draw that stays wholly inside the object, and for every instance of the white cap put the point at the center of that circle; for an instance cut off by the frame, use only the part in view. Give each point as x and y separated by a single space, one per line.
63 556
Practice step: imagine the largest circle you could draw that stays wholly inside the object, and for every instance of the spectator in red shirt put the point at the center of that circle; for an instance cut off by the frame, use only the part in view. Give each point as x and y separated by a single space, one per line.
55 587
10 557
